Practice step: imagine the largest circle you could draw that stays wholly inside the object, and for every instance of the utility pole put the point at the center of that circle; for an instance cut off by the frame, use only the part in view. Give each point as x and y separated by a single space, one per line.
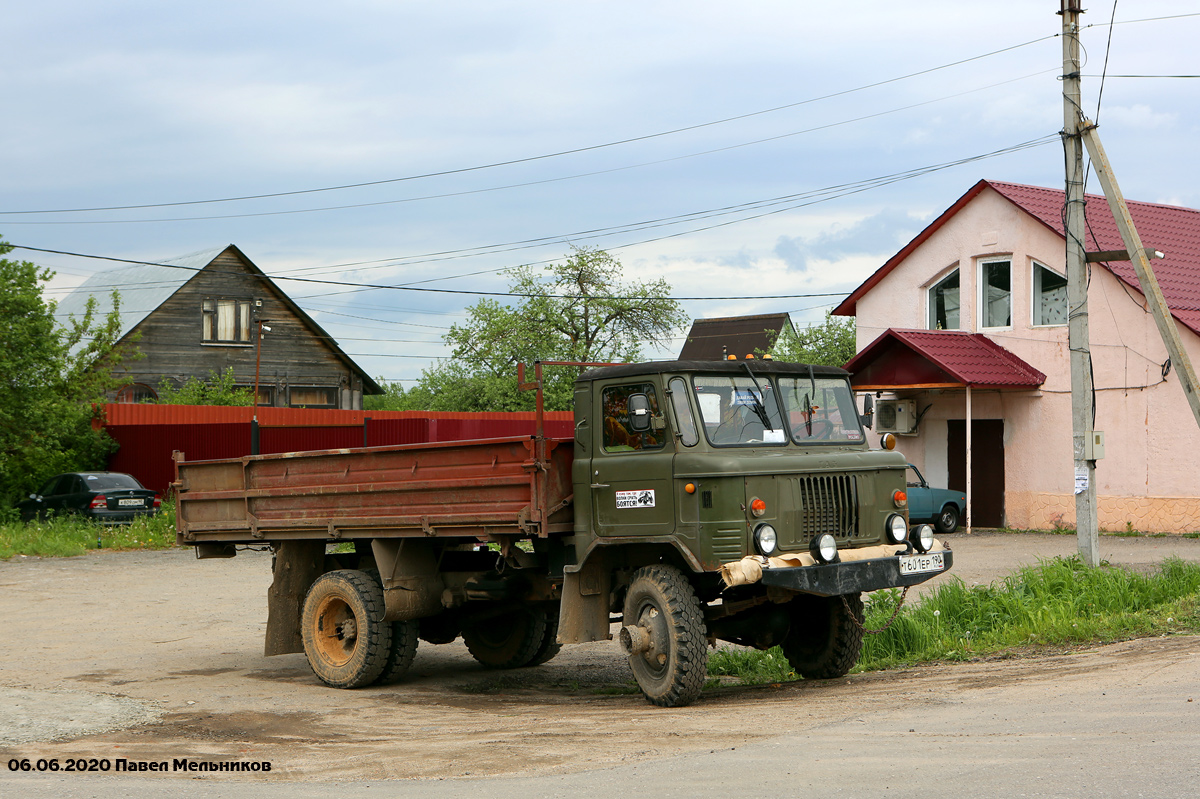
1140 258
1082 395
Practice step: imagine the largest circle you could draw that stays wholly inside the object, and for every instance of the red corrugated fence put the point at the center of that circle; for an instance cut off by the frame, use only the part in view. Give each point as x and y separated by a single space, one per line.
148 434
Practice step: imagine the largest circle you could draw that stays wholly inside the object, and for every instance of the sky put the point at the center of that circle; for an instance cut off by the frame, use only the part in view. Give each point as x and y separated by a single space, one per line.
736 150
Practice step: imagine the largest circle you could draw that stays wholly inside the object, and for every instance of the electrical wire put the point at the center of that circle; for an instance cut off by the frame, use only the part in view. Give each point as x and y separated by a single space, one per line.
1104 71
546 155
587 174
822 196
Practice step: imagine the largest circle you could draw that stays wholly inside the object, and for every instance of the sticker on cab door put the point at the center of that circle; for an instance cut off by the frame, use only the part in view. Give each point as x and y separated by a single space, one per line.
635 499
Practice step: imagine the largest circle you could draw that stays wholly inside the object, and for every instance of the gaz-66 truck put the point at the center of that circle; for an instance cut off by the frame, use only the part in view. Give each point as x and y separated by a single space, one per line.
698 501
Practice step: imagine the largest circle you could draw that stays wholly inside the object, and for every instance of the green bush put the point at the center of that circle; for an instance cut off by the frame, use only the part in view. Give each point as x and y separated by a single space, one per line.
69 535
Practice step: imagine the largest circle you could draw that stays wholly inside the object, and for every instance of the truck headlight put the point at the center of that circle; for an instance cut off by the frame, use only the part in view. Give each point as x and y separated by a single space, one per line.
922 539
766 540
897 528
824 548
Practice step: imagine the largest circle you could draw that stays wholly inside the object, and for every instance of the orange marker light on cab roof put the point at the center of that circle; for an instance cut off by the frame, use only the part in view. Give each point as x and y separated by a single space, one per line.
732 358
690 488
750 356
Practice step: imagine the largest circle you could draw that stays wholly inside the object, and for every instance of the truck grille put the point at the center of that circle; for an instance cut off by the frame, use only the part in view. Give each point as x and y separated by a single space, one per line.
826 503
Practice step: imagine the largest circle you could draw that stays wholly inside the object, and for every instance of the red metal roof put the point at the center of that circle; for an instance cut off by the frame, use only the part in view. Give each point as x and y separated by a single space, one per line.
939 358
1171 229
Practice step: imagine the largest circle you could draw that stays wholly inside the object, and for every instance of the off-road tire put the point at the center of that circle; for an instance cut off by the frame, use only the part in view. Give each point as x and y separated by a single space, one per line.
824 642
339 659
508 641
400 653
662 600
947 520
550 645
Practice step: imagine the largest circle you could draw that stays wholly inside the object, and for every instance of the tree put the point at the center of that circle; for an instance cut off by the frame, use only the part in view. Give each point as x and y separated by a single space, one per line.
830 343
219 389
52 377
577 310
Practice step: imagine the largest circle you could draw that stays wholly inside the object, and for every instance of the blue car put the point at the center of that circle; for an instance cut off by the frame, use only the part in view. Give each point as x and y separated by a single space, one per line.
941 507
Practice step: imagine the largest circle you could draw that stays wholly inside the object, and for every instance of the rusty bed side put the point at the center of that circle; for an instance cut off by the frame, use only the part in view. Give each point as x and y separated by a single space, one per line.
460 488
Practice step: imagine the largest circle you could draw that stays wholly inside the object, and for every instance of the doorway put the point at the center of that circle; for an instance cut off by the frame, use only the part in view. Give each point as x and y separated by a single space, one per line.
987 467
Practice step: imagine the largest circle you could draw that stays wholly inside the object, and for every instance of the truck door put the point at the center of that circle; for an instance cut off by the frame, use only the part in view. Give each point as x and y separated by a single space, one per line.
631 480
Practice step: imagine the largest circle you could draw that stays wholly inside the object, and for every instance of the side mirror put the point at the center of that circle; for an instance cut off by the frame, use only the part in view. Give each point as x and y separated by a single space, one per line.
868 414
639 413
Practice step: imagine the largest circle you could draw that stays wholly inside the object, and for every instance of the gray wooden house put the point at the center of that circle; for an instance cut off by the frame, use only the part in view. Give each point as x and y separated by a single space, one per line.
200 313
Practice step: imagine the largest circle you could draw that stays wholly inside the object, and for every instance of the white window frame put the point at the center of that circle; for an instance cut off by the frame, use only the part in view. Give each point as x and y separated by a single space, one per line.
1033 298
930 324
980 286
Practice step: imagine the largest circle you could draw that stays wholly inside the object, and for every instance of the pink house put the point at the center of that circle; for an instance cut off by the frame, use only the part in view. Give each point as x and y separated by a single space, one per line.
972 313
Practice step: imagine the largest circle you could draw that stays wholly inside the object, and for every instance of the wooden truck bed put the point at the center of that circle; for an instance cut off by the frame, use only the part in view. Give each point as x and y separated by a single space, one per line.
503 486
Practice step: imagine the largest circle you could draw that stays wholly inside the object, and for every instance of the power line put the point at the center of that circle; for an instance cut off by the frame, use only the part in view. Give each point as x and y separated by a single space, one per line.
726 148
539 157
821 195
439 291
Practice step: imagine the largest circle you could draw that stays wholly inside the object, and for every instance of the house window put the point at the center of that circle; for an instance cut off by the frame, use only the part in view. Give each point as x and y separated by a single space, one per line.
1049 297
943 304
312 397
226 321
136 392
995 294
266 394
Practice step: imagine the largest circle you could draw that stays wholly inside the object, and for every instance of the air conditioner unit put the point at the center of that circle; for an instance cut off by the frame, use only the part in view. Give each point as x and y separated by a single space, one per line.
896 416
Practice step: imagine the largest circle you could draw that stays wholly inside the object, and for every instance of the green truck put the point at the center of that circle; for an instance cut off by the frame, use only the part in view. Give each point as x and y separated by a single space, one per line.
698 501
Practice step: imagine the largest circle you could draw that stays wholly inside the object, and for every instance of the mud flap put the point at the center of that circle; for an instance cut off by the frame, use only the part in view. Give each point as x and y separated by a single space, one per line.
583 614
297 565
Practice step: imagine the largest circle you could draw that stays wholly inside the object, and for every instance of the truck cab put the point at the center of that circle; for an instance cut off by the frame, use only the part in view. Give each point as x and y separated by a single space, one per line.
751 484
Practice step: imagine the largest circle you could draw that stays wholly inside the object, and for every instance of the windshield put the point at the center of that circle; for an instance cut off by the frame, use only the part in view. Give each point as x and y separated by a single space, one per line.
820 409
736 411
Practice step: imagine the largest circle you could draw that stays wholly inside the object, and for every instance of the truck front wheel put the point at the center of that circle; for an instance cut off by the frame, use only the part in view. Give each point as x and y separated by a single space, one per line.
671 660
508 641
346 640
826 635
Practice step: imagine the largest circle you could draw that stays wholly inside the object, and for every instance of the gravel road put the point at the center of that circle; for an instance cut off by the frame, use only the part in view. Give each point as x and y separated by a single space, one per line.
154 655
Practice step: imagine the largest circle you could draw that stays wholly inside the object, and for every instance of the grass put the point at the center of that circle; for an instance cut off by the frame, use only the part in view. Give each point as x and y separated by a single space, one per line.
1057 602
67 536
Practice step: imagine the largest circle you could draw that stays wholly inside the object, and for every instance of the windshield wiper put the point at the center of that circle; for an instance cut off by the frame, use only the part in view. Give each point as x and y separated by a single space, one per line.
760 409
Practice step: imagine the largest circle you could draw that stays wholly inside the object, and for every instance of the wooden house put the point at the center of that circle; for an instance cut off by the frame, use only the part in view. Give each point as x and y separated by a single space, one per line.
203 313
715 339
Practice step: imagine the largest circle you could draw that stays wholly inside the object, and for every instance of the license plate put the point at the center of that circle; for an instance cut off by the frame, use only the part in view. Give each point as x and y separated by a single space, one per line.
127 502
920 564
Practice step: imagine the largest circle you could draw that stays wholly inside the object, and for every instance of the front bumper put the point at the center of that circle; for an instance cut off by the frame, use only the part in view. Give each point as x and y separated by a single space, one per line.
852 577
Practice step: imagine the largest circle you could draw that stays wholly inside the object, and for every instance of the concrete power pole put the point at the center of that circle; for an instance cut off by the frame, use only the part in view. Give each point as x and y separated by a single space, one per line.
1082 396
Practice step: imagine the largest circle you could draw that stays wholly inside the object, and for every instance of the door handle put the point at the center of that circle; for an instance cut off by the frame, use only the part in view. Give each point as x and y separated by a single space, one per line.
600 485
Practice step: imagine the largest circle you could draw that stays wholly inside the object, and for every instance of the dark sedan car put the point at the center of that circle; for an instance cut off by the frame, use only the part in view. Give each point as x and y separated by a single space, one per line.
941 507
104 496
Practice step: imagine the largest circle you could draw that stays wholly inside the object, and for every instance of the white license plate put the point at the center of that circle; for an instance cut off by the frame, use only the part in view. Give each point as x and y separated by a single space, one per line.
127 502
919 564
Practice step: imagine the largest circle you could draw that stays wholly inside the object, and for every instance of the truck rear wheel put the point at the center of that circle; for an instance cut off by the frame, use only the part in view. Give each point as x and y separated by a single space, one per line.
346 640
400 653
671 668
550 645
508 641
824 641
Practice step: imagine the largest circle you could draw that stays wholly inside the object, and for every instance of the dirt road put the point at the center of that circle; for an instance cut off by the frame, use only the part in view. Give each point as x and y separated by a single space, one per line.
154 655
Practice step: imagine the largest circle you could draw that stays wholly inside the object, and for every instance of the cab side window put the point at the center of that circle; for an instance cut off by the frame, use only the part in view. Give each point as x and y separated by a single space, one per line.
619 436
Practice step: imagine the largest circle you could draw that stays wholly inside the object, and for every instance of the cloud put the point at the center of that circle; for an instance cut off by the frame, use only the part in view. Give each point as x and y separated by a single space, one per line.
879 234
